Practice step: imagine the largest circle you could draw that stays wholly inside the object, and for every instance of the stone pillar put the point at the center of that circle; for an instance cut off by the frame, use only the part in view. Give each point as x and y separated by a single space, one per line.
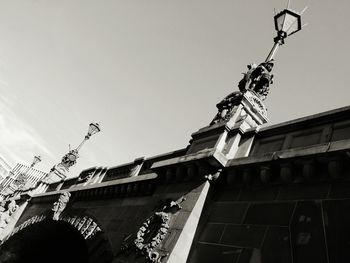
238 114
10 222
183 245
57 173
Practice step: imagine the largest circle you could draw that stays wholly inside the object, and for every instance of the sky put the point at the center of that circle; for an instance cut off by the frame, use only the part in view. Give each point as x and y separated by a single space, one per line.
151 71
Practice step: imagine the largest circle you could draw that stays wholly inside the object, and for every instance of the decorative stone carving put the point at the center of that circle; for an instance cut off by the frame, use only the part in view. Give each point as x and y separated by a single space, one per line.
7 215
172 206
213 176
152 232
59 171
70 158
60 205
286 172
19 182
248 176
254 87
256 103
265 174
227 107
258 79
335 167
28 222
308 169
85 177
85 225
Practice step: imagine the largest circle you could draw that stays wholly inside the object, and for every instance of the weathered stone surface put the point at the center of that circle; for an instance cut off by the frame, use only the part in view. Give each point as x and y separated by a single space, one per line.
228 212
208 253
243 235
278 213
307 232
340 190
227 195
212 233
337 218
303 191
276 246
262 193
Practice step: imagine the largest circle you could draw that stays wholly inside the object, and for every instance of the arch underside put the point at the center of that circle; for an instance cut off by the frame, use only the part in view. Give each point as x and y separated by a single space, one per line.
42 240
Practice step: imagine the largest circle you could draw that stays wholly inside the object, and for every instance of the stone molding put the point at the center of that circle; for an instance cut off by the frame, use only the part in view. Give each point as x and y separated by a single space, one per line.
84 224
299 169
60 205
156 225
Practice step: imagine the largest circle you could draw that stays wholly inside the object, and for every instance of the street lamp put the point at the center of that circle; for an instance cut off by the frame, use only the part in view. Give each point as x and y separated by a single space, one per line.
70 158
36 160
259 77
287 22
20 181
93 129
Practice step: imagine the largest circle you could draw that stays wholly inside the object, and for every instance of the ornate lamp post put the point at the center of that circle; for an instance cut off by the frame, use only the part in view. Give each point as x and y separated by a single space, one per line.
36 160
71 157
258 77
256 81
287 22
21 179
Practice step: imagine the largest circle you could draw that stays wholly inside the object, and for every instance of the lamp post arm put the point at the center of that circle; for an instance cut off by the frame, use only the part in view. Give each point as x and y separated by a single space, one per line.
279 40
82 143
273 51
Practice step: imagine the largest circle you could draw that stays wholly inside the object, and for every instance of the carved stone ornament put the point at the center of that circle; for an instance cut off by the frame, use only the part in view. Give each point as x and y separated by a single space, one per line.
257 79
70 158
256 103
20 181
227 107
152 232
60 205
211 177
7 215
85 225
85 177
28 222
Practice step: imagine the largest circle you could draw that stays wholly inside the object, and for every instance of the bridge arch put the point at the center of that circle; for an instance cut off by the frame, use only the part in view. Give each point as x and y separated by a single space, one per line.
40 239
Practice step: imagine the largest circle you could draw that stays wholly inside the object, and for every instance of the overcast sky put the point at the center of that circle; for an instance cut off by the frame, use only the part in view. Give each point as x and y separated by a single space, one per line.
152 71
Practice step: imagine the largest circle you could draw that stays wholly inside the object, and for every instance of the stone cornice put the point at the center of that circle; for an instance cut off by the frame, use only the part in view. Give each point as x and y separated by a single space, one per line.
331 147
138 185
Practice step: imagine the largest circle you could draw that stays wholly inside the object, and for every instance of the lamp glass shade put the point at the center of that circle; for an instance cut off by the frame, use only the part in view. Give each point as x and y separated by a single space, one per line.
93 128
36 159
288 21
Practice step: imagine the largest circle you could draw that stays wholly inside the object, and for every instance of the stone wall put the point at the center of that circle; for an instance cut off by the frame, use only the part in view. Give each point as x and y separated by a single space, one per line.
275 223
120 209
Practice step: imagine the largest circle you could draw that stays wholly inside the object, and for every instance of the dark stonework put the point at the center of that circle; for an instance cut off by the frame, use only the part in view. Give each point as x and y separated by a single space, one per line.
226 195
243 235
207 253
340 190
276 247
308 241
337 217
261 193
270 214
304 191
228 212
212 233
